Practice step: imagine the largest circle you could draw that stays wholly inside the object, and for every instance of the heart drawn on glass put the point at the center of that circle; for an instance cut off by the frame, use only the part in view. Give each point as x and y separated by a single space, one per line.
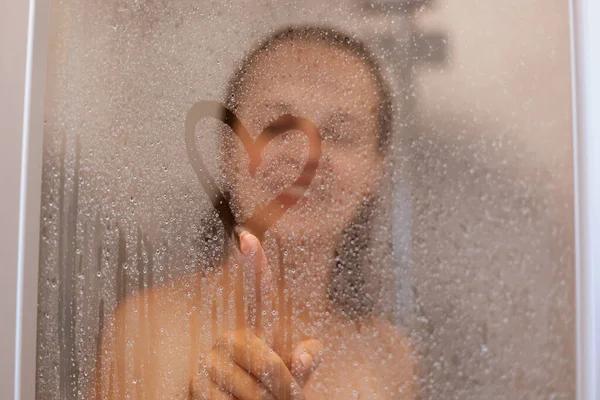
265 215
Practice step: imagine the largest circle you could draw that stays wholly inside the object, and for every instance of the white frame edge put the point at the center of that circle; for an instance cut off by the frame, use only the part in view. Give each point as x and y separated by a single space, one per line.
585 64
23 53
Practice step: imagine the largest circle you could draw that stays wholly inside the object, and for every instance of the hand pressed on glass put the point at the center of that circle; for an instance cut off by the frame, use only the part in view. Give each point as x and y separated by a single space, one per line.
243 365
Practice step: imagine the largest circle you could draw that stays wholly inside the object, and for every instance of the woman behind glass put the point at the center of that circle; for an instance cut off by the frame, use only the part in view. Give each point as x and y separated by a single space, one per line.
314 326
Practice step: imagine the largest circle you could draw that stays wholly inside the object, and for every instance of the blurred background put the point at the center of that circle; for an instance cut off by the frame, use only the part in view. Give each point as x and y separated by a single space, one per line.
483 210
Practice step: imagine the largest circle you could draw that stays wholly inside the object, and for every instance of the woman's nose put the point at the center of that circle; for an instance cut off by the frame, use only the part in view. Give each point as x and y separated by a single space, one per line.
289 149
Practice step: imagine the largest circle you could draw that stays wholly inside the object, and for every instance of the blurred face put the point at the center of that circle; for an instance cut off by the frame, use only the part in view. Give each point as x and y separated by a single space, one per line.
332 88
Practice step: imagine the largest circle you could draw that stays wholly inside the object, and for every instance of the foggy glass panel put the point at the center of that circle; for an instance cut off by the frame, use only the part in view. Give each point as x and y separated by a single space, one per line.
406 167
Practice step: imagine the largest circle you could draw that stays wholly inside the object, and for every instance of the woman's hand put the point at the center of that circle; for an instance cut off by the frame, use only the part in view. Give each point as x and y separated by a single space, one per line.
243 365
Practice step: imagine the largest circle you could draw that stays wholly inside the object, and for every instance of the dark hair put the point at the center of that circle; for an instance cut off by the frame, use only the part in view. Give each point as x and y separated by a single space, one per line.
348 288
331 37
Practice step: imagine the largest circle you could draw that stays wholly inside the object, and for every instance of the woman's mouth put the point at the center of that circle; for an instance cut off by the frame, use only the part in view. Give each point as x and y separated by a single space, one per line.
292 195
297 193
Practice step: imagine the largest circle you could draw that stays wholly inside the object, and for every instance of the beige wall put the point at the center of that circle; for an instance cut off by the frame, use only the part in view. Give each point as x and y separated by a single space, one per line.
509 63
493 227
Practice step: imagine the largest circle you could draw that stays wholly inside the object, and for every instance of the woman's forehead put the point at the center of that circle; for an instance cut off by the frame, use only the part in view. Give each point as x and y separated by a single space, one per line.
301 73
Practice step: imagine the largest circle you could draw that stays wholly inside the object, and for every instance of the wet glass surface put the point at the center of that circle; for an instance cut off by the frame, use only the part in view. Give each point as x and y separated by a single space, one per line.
302 199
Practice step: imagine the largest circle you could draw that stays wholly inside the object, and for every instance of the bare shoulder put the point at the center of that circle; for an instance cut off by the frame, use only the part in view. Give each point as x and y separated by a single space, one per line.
391 335
161 304
399 366
147 340
373 358
153 317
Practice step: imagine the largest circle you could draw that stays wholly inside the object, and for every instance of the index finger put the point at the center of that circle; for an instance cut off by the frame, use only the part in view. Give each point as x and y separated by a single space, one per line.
256 260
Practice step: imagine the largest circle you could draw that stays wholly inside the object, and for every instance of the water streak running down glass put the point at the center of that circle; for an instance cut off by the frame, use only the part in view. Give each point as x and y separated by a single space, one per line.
306 200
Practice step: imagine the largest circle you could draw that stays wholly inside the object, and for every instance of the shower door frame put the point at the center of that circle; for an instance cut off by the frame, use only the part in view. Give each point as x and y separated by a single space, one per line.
23 53
585 63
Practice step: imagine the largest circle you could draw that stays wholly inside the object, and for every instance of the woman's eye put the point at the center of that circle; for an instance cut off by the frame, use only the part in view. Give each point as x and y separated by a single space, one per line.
330 134
336 135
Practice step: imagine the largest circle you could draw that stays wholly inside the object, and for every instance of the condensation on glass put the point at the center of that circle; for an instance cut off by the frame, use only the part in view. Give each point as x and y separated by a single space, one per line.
432 261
